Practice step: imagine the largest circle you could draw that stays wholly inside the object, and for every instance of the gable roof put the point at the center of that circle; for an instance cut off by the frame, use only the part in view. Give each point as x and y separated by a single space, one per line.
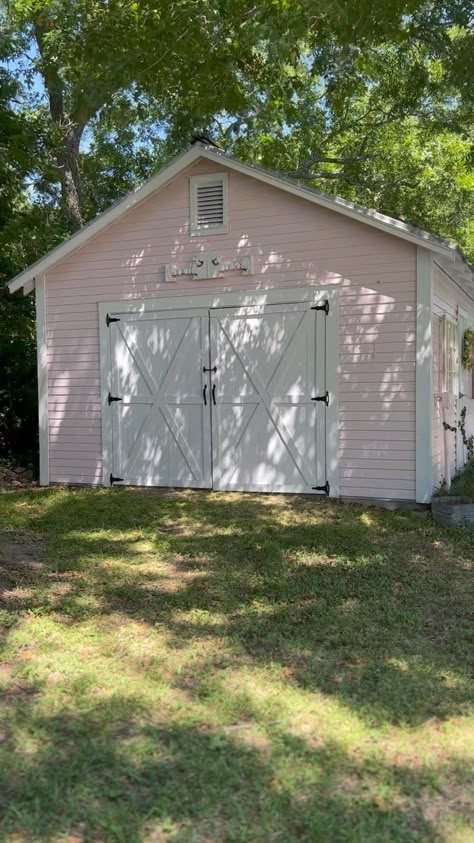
448 253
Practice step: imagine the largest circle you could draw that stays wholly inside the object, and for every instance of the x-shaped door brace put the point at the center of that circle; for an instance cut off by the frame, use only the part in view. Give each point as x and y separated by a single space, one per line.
157 402
274 414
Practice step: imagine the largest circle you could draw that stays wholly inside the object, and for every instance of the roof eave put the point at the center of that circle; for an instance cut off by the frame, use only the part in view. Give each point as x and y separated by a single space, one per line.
461 272
26 279
396 228
390 225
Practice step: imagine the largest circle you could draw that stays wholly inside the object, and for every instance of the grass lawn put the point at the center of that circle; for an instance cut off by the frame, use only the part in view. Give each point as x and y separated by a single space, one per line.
463 484
203 667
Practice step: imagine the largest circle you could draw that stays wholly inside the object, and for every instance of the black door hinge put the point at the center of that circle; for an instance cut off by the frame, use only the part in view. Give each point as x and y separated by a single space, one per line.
111 398
324 307
324 398
324 488
109 319
115 479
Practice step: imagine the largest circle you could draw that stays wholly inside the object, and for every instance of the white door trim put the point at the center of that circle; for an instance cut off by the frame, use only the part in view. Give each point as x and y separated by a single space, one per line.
424 376
106 387
289 295
210 301
464 320
42 364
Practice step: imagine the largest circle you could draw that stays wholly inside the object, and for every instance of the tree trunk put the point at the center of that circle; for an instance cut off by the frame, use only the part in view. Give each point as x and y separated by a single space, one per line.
67 156
68 164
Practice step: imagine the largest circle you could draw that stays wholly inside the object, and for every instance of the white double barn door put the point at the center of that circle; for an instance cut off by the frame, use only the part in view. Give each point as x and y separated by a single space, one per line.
220 399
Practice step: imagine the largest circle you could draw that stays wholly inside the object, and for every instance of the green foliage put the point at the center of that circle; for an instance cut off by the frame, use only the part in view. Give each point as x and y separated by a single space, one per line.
463 483
17 346
468 350
468 441
18 393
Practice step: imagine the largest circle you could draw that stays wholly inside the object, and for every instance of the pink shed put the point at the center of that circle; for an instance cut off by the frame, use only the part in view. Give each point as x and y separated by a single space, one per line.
324 323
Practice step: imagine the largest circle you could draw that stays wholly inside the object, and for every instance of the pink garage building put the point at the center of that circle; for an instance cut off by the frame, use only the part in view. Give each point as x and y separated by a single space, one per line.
224 327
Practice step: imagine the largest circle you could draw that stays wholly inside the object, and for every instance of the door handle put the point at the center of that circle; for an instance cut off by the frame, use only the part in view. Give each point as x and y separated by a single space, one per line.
214 394
204 394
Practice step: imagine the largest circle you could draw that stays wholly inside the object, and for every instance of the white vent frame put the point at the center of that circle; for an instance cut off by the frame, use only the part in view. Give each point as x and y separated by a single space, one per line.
194 183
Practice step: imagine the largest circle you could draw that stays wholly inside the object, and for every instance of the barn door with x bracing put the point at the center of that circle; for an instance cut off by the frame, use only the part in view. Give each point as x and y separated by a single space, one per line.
160 414
268 420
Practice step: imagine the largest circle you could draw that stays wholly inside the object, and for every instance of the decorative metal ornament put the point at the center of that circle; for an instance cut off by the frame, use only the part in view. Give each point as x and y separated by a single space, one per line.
209 265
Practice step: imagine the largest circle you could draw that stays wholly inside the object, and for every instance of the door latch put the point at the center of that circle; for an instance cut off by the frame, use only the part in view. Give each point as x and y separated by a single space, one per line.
214 369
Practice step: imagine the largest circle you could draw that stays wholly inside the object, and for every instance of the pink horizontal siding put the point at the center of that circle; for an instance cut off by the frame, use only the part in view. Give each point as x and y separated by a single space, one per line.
293 243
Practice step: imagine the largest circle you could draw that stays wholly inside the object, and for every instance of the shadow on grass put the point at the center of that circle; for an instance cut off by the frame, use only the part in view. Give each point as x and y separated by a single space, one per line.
374 609
106 773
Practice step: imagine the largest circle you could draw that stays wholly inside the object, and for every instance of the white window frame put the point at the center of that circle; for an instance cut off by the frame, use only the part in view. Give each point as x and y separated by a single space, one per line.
450 361
194 183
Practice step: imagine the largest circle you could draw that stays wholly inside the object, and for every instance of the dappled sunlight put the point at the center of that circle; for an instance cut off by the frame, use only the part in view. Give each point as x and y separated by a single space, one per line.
203 659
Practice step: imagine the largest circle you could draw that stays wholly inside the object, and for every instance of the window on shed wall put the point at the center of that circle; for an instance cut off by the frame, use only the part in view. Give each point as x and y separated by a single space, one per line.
209 204
437 355
466 376
450 357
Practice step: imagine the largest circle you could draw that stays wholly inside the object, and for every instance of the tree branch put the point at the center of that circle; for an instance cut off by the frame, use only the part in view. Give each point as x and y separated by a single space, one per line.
303 175
324 159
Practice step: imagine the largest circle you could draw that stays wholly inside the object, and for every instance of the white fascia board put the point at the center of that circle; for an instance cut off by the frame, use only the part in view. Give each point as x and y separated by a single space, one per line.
100 223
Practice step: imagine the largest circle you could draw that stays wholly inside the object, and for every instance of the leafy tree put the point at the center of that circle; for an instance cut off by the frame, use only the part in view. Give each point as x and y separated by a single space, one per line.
17 338
194 61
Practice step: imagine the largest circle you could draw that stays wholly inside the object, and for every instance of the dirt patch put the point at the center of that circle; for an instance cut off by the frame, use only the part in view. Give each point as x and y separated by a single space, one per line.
440 807
173 528
6 671
20 567
183 566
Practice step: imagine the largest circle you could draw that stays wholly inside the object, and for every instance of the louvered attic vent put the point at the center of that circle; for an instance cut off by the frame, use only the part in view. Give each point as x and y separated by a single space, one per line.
209 204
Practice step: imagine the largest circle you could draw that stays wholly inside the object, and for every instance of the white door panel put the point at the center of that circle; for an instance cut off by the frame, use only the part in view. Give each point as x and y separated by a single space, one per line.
251 425
267 432
161 426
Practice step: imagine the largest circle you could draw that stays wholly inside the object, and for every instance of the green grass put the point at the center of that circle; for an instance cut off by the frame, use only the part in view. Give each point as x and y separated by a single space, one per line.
462 484
208 668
